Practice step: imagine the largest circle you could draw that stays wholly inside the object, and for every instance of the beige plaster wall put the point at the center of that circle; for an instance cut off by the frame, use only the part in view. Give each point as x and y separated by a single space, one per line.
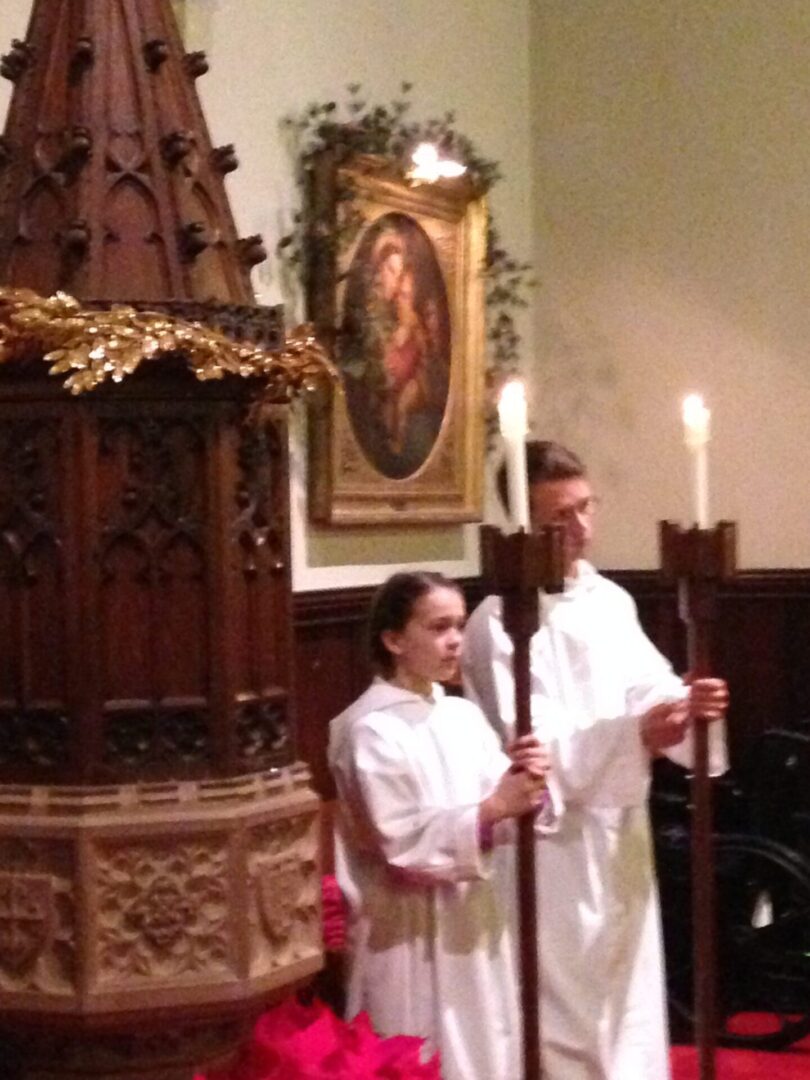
672 228
13 24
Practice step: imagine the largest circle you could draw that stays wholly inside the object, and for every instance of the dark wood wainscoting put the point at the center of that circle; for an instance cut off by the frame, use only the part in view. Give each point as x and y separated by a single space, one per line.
331 668
762 645
762 648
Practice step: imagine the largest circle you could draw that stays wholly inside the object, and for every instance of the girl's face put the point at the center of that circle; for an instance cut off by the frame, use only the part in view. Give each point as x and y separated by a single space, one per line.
428 647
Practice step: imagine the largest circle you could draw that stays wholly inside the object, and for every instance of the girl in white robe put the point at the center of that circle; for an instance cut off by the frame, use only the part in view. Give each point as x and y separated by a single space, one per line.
424 789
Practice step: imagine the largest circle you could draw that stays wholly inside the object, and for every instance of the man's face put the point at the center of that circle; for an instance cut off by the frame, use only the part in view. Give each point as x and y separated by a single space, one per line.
570 503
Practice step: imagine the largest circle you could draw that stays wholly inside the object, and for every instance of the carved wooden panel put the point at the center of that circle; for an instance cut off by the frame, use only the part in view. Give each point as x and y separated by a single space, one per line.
144 586
284 894
35 617
153 611
259 545
39 935
163 911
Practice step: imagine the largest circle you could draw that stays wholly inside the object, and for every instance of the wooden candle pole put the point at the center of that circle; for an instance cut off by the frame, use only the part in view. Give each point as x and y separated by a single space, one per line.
515 567
698 560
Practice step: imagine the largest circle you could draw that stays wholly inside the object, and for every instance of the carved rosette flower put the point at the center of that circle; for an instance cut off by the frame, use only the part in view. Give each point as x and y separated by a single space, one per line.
161 914
163 911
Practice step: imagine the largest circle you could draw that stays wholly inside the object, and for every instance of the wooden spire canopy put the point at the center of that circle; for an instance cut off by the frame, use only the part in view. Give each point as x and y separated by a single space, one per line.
110 188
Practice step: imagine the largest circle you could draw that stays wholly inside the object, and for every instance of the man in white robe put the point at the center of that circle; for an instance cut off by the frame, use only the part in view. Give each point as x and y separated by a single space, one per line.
605 702
429 940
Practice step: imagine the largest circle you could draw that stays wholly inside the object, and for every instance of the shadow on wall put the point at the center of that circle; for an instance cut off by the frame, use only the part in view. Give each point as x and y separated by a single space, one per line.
579 387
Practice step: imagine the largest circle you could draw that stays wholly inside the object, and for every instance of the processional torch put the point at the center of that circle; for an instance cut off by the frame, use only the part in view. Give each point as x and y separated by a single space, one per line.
699 560
516 567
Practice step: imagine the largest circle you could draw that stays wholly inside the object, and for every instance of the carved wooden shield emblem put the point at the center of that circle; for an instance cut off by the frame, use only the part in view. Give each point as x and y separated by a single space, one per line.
26 919
279 885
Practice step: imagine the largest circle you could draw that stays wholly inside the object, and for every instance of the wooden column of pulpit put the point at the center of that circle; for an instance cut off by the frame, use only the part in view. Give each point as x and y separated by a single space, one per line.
698 561
516 567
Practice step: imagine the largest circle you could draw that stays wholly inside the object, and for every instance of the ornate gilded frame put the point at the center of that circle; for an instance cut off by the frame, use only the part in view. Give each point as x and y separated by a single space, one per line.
357 476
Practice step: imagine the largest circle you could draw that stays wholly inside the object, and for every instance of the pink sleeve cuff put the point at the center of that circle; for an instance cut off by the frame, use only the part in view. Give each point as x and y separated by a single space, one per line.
485 836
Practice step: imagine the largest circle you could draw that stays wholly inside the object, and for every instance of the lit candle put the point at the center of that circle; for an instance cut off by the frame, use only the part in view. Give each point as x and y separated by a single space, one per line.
696 435
514 428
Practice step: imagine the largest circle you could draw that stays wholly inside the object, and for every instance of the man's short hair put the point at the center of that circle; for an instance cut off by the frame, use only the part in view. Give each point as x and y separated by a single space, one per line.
545 460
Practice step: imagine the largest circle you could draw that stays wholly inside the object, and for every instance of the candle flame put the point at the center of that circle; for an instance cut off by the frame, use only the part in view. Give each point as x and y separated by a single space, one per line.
695 420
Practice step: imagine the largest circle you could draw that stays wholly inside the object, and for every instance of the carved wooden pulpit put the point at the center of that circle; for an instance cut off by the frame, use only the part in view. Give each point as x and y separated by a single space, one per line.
159 876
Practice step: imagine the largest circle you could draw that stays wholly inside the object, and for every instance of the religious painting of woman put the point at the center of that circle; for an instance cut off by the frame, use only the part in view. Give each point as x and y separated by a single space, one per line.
394 345
401 303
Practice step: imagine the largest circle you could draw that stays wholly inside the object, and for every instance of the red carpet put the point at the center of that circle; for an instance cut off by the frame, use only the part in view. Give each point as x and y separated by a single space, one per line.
792 1064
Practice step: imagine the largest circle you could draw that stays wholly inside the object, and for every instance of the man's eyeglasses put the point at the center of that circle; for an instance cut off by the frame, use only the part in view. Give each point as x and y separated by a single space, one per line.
584 508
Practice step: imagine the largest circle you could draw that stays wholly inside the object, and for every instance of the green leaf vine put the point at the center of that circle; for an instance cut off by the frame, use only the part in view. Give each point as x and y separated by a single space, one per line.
355 127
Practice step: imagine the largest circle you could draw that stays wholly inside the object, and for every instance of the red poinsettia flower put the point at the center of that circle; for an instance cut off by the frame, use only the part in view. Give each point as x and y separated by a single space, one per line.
308 1042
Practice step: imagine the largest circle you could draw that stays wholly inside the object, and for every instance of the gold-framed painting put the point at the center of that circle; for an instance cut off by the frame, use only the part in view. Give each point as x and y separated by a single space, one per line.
395 289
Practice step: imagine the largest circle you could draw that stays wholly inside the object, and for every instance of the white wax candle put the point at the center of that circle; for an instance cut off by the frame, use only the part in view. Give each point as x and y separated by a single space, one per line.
514 428
696 419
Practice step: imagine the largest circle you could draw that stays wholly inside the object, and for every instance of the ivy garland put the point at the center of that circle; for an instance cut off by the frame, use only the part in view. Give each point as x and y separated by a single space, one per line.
357 127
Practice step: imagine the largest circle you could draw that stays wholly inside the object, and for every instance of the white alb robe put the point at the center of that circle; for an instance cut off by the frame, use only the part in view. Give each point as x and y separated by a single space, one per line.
430 946
593 675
